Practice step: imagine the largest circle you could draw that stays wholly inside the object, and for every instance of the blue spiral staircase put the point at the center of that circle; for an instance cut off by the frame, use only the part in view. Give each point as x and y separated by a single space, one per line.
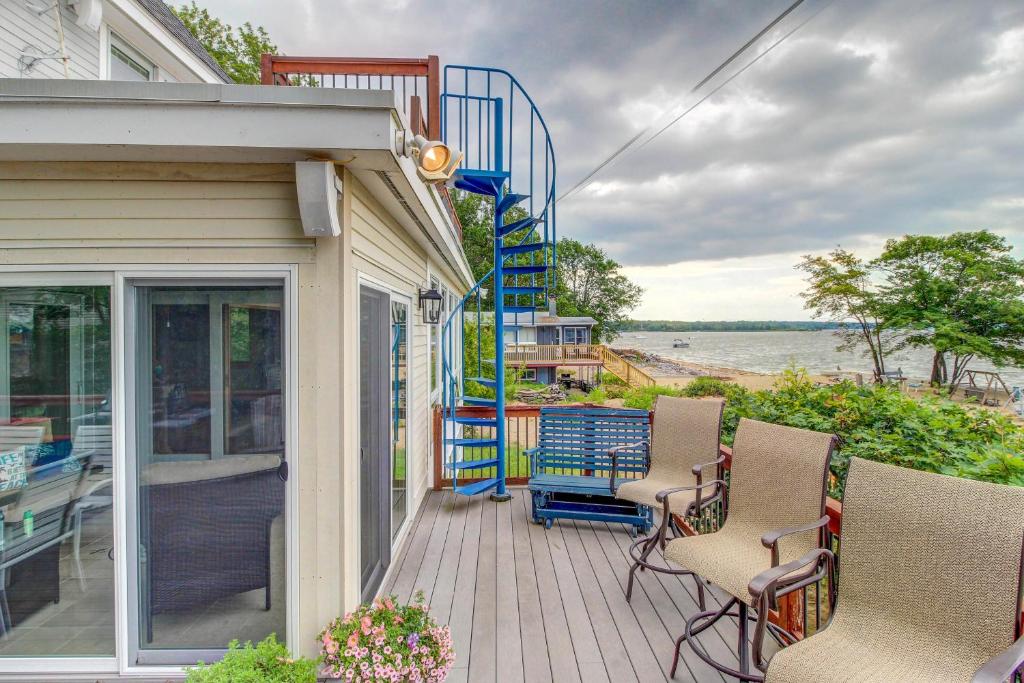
486 114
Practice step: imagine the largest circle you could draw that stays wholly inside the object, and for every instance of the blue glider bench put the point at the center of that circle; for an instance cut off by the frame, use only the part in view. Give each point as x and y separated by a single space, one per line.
582 454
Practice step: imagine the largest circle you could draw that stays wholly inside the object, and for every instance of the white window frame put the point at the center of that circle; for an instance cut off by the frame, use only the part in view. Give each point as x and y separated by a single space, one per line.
116 42
576 330
117 276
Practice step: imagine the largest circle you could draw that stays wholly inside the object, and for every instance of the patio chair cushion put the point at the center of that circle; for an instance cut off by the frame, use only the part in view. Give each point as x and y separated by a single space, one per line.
777 482
686 432
928 582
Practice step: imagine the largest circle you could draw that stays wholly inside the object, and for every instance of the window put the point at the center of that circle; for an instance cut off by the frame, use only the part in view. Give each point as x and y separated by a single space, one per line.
56 471
528 375
575 335
127 64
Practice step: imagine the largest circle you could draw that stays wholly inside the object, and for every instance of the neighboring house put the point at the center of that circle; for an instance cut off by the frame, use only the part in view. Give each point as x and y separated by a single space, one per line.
538 344
216 314
117 40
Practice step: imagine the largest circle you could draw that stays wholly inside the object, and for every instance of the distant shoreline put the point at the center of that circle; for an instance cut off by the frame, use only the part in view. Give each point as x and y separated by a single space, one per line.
683 326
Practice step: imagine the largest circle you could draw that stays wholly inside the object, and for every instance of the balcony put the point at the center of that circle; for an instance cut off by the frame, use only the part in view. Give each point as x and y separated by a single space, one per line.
552 355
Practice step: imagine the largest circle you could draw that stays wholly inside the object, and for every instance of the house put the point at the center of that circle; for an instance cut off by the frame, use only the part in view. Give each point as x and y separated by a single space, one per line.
118 40
221 358
541 343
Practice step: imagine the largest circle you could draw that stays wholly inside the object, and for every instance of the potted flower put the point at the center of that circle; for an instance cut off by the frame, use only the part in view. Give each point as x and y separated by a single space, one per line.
387 642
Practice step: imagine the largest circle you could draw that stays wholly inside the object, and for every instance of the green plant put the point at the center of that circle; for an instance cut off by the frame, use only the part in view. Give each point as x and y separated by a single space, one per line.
873 422
269 660
384 641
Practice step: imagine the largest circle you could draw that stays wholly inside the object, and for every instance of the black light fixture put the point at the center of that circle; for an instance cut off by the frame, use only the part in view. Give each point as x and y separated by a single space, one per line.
430 304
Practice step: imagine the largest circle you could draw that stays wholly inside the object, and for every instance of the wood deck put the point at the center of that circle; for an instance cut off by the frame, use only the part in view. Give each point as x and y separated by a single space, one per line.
526 604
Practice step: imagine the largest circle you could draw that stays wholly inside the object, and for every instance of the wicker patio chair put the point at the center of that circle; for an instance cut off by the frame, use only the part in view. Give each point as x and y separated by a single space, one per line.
930 583
776 514
206 530
685 443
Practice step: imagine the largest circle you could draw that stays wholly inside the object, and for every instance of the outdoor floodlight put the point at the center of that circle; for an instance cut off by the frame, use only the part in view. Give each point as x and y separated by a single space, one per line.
436 162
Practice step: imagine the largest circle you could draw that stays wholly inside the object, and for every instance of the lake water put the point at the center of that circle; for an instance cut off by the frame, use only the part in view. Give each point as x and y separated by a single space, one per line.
773 352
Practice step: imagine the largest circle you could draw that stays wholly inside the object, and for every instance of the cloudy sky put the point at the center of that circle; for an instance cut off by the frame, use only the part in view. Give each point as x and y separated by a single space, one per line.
875 119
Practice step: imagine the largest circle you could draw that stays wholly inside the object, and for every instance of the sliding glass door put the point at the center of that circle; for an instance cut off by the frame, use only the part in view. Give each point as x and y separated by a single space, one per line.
207 468
56 472
383 429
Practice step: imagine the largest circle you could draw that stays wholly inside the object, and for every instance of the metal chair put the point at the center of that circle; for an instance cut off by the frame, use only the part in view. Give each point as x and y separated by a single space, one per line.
93 447
684 444
930 583
776 514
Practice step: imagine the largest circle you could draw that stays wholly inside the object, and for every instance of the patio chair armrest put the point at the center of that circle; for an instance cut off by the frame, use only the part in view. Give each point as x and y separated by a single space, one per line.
769 585
698 470
772 538
663 496
1003 666
785 578
613 453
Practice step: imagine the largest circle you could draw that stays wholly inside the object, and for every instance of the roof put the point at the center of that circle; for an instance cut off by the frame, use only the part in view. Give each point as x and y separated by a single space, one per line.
163 14
77 120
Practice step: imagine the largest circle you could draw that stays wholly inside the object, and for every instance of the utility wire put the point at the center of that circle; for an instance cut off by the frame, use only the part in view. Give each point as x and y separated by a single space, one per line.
629 143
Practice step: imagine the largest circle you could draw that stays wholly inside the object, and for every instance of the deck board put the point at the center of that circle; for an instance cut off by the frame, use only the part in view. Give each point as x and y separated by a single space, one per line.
509 628
529 604
533 641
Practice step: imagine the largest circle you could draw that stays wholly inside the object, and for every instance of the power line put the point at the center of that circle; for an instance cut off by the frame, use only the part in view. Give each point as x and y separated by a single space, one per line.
629 143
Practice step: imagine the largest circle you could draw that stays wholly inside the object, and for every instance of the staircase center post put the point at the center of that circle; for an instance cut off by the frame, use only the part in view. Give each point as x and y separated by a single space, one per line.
500 493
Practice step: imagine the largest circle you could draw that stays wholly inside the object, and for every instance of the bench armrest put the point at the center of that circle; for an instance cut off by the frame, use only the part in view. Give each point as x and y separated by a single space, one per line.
1003 666
613 453
772 538
531 453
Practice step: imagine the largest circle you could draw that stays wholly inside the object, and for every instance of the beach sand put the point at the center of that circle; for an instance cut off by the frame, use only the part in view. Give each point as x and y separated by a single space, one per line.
672 372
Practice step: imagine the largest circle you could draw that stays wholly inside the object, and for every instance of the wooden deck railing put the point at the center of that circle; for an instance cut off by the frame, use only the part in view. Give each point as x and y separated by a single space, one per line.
553 354
625 370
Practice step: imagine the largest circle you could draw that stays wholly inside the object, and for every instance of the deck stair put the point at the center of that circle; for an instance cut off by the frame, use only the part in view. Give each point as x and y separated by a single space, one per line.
625 369
509 157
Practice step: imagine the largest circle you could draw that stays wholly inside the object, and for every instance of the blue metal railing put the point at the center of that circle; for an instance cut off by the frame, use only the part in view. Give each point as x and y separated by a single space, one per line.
478 107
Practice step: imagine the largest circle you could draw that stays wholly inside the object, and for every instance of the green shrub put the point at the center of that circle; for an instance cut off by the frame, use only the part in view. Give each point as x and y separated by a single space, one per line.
873 422
706 386
267 661
644 397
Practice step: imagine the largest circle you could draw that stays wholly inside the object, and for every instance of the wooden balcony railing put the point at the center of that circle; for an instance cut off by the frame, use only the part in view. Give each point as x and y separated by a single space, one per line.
416 83
552 354
416 80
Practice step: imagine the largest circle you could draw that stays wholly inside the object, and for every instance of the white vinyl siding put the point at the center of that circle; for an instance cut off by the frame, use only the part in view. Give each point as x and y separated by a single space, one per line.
20 26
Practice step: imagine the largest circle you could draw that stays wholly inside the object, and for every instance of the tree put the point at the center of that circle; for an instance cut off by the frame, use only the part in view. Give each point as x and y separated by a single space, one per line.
238 51
960 294
476 214
842 290
589 282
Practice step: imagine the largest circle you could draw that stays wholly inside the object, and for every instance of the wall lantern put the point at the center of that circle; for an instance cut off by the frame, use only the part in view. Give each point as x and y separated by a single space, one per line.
430 304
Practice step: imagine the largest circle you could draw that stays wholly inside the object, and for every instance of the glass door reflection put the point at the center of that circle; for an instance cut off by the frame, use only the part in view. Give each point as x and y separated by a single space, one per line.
209 468
399 413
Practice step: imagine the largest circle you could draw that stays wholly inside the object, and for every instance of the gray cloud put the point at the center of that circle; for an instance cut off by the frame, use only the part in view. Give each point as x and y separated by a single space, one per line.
876 119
